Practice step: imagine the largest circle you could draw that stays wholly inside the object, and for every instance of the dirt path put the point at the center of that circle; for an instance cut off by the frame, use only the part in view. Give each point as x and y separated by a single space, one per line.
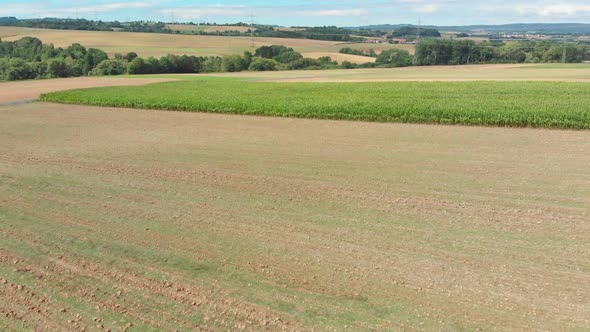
11 92
136 220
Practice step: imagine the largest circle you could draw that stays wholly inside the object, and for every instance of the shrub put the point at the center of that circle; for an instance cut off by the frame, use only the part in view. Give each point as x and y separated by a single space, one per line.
288 57
110 67
18 69
57 68
262 64
232 63
211 64
348 65
304 63
395 58
269 52
137 66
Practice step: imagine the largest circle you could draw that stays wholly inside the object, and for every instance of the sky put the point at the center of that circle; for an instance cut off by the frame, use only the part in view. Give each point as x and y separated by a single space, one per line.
309 12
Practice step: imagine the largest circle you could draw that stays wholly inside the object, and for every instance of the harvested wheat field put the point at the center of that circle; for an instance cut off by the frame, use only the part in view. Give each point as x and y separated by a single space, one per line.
117 219
11 92
154 44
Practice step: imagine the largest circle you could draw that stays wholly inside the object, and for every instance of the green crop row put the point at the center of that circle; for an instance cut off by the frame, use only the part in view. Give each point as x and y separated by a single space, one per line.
507 104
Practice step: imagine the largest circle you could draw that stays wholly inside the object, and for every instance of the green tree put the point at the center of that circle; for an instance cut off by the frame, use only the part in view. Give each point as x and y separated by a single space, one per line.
288 57
395 58
166 65
247 59
75 51
304 63
130 56
3 68
57 68
232 63
211 64
326 60
110 67
269 52
28 49
18 69
348 65
262 64
92 58
154 66
137 66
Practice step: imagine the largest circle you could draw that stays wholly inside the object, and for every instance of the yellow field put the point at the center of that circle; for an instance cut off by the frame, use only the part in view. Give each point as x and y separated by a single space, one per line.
151 44
207 28
341 57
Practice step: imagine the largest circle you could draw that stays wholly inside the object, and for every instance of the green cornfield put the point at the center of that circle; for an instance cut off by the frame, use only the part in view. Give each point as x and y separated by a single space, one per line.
484 103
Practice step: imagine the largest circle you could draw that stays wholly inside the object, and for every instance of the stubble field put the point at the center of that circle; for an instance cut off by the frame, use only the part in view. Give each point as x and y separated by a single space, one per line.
153 44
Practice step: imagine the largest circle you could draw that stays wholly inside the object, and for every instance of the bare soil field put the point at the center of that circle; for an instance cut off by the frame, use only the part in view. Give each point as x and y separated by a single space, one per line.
116 219
519 72
152 44
29 90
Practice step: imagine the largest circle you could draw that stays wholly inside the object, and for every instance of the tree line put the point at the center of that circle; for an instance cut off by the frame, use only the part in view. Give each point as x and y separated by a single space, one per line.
331 33
411 32
459 52
29 58
60 24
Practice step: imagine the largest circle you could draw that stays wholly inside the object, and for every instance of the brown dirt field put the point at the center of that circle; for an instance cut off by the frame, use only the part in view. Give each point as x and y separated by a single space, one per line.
32 89
135 220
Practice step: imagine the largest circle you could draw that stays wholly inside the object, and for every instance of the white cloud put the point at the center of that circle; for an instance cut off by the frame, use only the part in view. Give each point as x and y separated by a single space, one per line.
108 7
334 12
315 12
44 10
563 9
427 9
261 12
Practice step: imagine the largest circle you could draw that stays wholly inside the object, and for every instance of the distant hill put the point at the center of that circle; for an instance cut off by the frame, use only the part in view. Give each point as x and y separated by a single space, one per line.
545 28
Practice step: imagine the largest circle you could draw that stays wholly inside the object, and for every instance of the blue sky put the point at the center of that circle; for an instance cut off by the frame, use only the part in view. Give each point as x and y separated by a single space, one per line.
308 12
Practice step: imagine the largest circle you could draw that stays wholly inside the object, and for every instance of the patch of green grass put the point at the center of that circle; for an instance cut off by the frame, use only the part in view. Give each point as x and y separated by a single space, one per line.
507 104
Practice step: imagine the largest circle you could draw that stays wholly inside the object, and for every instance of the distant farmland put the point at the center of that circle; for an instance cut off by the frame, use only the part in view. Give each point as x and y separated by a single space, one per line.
151 44
206 28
